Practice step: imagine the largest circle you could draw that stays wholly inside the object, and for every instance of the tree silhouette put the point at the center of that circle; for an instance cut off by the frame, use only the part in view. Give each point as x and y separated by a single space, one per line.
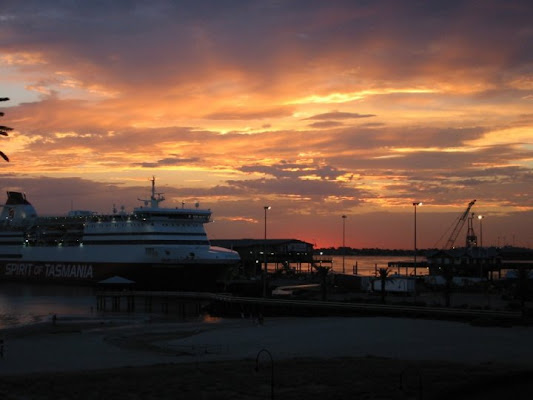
323 275
522 289
383 275
448 274
4 129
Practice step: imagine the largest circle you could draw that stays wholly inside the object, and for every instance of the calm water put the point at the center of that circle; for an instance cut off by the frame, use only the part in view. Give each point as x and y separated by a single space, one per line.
22 304
366 264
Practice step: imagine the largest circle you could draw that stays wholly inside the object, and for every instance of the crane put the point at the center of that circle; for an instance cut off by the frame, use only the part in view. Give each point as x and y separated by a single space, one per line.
458 226
471 238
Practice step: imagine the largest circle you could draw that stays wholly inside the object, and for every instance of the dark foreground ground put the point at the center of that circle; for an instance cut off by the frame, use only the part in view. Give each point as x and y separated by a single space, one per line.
344 378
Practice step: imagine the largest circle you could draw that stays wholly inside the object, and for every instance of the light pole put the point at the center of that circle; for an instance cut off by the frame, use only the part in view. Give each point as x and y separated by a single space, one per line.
480 217
343 241
416 204
265 271
271 369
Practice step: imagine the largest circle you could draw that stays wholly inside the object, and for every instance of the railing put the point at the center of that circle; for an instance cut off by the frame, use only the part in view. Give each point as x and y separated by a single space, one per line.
340 307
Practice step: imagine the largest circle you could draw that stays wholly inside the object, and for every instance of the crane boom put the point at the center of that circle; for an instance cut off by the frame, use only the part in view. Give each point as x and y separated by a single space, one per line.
459 226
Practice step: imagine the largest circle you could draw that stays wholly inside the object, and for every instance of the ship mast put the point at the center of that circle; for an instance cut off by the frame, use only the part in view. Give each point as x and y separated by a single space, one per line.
154 200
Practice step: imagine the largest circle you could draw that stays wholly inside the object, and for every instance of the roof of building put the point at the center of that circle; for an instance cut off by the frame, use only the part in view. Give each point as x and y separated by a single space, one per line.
254 242
470 252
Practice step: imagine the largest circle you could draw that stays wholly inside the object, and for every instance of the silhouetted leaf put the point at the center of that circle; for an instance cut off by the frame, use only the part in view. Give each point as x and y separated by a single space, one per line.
4 129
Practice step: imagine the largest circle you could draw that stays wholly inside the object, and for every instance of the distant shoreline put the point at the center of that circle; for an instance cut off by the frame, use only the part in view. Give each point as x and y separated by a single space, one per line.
349 251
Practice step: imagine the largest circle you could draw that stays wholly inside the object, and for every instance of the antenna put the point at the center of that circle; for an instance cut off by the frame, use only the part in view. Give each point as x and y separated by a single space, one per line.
154 201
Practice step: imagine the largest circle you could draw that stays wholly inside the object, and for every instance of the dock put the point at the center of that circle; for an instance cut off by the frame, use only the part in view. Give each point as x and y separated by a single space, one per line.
181 304
185 304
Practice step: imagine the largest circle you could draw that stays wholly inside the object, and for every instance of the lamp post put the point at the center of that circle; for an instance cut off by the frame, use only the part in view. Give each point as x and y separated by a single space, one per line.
271 369
343 241
416 204
480 217
265 271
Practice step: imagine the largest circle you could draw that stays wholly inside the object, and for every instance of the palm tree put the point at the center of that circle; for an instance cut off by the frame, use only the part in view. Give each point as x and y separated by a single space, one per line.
522 291
323 274
383 275
4 129
448 274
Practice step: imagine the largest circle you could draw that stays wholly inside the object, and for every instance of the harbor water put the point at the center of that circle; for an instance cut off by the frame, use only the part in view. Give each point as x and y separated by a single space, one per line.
23 303
367 265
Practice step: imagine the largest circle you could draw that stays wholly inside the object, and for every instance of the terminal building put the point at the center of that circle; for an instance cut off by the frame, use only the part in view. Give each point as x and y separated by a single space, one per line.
290 254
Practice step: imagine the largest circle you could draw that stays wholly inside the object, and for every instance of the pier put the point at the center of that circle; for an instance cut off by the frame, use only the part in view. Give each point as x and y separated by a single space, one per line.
183 304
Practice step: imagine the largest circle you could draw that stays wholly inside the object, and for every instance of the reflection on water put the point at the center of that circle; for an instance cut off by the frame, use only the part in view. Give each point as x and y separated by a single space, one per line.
366 265
23 303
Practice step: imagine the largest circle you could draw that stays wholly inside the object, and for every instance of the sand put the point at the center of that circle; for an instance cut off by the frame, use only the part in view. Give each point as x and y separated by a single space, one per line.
310 358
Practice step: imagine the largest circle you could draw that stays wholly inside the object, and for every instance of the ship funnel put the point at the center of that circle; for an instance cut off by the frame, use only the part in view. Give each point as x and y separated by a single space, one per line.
17 209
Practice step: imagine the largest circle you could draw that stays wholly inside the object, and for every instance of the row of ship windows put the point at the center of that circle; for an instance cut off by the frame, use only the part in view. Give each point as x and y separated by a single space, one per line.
76 243
123 225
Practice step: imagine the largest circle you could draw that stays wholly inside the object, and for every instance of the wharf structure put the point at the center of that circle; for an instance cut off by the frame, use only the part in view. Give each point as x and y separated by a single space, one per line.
470 262
481 263
192 304
278 254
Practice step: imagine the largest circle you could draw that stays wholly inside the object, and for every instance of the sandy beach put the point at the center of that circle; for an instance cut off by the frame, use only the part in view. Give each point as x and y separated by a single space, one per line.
328 357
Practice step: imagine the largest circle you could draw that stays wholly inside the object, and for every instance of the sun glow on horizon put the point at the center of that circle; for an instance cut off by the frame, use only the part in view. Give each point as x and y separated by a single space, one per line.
321 111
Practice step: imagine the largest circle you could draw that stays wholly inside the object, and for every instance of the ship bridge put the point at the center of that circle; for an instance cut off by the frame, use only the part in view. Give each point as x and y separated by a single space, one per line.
181 214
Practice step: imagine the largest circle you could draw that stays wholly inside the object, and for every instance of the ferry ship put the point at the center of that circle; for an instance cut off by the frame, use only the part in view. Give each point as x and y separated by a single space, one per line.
154 247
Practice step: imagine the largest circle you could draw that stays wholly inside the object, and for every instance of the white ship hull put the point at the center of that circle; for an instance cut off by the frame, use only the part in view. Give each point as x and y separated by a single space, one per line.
157 248
162 269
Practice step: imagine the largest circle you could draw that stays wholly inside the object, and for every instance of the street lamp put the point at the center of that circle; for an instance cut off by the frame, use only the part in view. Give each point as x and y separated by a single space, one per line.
343 241
415 204
271 369
265 272
480 217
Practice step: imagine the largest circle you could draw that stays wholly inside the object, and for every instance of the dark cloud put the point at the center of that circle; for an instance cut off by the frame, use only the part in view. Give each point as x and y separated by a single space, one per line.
295 170
297 179
170 42
59 195
166 162
334 115
170 83
247 114
326 124
318 190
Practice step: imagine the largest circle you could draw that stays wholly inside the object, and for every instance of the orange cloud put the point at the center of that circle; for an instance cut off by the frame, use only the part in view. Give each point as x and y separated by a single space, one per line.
320 110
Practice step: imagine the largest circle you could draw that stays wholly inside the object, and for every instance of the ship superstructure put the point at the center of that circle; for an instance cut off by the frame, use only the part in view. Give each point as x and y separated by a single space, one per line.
156 247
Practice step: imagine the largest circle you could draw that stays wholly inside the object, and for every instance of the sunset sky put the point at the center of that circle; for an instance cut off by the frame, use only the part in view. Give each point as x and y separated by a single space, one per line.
316 108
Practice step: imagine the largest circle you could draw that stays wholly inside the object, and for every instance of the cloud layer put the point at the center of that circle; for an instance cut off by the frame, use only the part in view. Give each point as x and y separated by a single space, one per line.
319 109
